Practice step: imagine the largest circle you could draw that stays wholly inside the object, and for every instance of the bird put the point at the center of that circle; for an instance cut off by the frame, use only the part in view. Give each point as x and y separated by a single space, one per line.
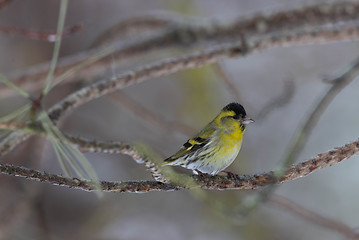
216 146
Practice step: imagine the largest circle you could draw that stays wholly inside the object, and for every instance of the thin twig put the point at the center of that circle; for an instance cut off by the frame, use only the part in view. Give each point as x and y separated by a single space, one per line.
231 86
149 116
279 101
258 27
314 217
204 181
49 36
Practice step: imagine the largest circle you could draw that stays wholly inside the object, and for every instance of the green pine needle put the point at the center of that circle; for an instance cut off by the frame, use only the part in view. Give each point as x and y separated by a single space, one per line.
7 82
69 157
19 113
55 54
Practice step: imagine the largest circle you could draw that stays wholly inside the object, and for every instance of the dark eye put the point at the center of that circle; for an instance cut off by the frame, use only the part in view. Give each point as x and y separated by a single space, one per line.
236 117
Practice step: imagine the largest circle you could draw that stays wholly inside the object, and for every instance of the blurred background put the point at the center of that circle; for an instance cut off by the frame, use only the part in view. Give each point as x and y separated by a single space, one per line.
163 113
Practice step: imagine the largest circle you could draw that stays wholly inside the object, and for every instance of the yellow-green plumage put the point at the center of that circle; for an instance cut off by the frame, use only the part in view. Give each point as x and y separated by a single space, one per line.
216 146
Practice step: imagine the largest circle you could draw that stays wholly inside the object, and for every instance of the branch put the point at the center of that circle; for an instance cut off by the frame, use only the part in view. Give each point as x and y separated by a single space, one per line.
129 186
137 24
259 27
118 147
314 217
49 36
338 84
204 181
300 137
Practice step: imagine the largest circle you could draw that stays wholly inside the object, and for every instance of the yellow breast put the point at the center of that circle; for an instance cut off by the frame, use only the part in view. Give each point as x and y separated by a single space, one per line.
232 138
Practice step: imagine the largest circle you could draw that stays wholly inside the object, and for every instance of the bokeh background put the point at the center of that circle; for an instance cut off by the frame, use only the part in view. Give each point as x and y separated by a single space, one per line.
186 101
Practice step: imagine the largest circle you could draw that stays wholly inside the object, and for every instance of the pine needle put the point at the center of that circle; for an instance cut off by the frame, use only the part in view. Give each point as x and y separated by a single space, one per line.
16 114
55 54
70 158
7 82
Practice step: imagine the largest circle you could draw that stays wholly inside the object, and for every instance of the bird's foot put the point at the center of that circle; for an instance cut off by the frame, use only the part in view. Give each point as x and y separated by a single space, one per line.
231 175
200 174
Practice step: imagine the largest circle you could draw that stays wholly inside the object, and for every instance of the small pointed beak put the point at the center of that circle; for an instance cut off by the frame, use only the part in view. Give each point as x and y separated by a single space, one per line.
247 120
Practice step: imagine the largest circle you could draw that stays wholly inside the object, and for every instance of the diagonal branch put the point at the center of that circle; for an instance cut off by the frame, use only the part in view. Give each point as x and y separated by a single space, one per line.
303 133
137 25
301 136
175 35
204 181
279 101
314 217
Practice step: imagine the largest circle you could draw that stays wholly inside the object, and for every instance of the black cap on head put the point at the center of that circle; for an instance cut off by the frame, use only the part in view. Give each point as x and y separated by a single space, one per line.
237 108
